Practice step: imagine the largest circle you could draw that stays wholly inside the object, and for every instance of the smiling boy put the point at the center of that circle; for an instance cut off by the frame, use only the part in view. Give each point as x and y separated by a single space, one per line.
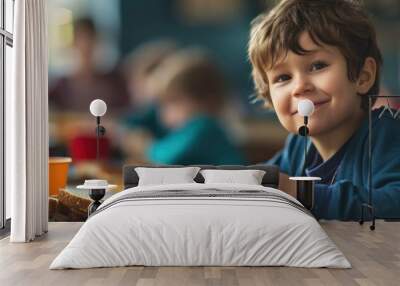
326 51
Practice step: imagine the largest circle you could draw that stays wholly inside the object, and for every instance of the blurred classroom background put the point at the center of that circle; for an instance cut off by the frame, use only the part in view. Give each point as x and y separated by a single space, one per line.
176 79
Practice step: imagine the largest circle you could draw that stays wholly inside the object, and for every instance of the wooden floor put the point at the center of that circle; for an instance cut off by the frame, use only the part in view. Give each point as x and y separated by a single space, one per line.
375 257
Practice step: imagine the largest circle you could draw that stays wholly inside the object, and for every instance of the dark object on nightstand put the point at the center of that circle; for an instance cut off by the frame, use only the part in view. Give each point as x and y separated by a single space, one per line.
96 195
96 190
305 193
305 190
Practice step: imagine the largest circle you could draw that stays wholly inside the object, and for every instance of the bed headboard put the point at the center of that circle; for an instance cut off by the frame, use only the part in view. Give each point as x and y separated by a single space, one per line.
270 179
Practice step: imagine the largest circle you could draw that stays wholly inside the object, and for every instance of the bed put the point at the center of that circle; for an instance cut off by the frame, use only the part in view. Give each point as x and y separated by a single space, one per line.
201 224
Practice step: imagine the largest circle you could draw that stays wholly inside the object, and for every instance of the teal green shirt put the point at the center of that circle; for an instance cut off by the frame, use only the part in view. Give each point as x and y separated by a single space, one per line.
343 198
199 141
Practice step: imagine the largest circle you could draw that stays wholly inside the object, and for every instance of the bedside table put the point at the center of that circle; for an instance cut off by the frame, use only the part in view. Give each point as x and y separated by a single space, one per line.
97 189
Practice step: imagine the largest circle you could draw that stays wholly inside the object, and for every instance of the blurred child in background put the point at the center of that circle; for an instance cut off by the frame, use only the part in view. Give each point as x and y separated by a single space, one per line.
192 92
138 69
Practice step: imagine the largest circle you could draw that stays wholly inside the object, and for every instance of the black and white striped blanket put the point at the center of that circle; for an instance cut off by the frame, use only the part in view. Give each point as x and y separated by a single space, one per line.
206 194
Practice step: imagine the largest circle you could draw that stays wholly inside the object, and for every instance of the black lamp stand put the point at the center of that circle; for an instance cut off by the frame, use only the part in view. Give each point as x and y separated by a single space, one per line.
100 131
304 131
97 194
305 188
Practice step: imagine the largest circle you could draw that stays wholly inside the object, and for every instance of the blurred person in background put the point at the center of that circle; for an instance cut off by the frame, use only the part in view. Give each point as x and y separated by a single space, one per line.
72 127
192 93
75 92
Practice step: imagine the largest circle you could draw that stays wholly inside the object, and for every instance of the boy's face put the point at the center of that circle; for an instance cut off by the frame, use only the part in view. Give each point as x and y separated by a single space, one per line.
320 76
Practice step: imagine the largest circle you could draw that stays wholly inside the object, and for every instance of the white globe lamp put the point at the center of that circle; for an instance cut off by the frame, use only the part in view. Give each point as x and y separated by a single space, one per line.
98 108
305 107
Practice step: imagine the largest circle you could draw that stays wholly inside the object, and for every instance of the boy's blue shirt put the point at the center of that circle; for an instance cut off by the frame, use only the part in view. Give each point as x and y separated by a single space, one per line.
200 141
343 198
326 170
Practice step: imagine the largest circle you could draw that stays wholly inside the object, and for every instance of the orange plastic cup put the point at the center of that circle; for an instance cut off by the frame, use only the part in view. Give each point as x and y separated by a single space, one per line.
58 174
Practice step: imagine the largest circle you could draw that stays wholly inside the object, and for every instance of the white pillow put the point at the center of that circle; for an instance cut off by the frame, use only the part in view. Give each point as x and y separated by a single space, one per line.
248 177
163 176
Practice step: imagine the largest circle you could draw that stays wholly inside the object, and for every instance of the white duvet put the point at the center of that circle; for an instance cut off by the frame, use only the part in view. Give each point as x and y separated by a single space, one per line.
200 231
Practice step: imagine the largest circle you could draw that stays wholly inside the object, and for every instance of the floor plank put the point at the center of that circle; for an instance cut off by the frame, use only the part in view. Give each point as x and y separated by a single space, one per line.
374 255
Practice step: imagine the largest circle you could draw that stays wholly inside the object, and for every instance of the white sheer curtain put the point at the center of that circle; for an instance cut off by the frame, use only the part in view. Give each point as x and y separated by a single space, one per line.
27 124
